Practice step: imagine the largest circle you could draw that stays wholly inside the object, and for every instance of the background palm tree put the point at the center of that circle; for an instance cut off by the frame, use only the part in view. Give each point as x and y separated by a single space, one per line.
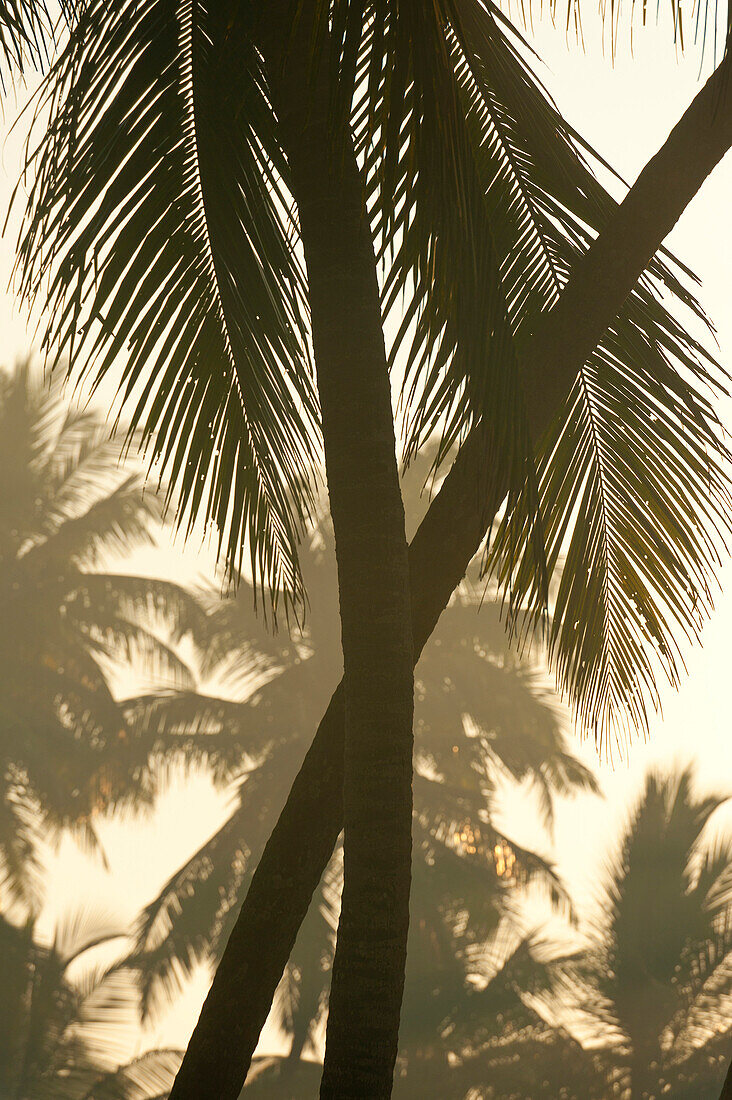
481 719
660 975
67 507
655 988
65 1019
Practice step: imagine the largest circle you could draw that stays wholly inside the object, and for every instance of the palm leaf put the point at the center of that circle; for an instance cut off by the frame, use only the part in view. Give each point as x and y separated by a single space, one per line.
148 1077
20 867
431 216
114 523
189 728
661 968
142 599
484 201
184 925
26 34
159 225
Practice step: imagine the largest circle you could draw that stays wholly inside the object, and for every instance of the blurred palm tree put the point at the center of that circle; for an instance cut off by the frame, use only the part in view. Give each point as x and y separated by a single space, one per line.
65 1019
482 719
655 986
659 980
67 750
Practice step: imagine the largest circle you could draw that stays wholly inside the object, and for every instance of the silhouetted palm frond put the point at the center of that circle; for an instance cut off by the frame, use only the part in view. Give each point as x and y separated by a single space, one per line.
160 200
159 221
27 34
67 1020
484 200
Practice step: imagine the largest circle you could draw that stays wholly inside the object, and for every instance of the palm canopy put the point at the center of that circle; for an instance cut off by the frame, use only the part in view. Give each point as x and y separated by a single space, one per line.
654 985
160 231
66 505
66 1019
661 974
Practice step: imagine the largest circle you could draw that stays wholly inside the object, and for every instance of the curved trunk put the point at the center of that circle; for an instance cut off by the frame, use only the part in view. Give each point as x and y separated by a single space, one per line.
302 841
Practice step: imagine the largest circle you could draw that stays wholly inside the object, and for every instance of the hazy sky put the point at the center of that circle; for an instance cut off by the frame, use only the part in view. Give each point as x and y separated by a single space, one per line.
625 111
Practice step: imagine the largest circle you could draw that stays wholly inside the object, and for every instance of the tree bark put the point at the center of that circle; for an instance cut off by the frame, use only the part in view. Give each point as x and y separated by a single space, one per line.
450 534
373 583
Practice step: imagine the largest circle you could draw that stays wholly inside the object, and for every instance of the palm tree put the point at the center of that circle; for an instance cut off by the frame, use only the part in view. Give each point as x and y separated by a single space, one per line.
64 1019
660 975
453 530
67 750
495 1041
161 214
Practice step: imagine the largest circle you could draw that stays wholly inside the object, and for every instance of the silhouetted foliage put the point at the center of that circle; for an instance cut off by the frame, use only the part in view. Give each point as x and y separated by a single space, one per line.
654 990
631 469
227 399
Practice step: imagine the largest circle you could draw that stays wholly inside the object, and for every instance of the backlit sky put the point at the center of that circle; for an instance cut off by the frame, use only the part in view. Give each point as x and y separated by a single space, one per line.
625 110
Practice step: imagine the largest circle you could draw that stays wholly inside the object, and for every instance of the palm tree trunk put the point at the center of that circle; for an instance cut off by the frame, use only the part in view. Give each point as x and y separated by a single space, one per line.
449 536
371 553
373 577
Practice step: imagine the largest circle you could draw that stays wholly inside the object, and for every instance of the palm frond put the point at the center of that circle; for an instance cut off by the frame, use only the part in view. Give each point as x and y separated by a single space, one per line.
486 205
149 1077
158 229
192 729
26 34
634 494
416 125
637 471
661 969
150 600
703 27
518 968
20 868
114 523
181 927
